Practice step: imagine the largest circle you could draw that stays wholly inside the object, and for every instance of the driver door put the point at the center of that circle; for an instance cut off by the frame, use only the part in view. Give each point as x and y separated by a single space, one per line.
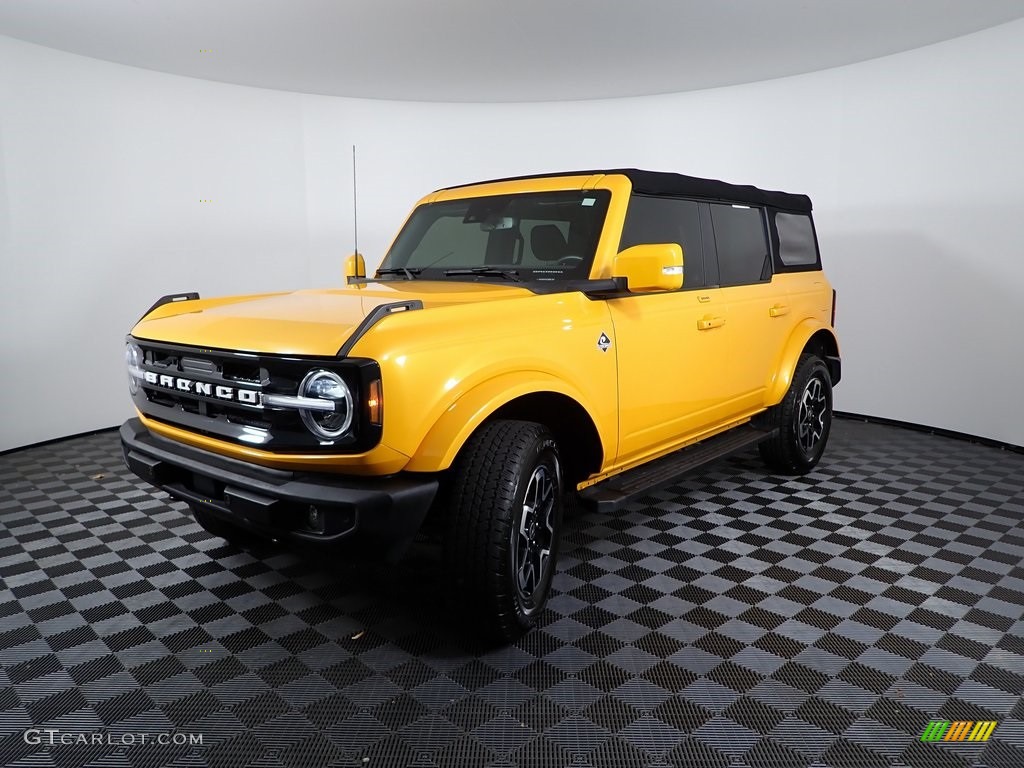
671 351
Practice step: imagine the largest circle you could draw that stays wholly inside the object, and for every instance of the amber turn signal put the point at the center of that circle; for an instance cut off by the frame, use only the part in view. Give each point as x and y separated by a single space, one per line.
374 402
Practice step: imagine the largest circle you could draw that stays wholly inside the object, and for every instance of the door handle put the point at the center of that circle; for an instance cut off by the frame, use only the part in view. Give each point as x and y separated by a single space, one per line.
708 322
778 310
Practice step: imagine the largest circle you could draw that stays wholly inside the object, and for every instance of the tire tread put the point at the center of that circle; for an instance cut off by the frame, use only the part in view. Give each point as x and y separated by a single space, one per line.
482 493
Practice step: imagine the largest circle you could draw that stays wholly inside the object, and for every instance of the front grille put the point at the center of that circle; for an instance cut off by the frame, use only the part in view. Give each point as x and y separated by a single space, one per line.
225 368
218 393
202 385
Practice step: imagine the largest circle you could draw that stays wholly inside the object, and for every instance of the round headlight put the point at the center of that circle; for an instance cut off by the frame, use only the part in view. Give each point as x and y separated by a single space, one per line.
328 386
133 358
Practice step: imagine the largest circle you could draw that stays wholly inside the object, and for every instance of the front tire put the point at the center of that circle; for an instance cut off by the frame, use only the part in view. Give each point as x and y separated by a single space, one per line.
803 420
503 525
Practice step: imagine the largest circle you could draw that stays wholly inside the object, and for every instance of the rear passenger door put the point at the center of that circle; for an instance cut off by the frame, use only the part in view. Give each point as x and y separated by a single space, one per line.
760 319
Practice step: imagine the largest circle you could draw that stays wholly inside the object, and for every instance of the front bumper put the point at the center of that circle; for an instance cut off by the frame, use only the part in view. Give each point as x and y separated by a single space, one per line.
276 503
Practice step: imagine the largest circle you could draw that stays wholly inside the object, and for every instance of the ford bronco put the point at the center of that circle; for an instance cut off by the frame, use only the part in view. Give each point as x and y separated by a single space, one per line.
525 344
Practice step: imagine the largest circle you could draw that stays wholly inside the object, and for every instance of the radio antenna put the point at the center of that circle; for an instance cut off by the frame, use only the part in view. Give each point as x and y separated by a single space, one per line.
355 209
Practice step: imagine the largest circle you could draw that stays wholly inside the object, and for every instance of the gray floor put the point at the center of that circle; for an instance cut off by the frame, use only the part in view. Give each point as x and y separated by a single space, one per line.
734 619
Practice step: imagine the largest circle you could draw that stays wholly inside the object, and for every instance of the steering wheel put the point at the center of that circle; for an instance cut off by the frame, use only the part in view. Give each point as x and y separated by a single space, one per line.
570 261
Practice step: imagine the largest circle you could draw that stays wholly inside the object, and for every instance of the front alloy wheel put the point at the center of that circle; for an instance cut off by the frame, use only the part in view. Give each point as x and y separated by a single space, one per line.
534 538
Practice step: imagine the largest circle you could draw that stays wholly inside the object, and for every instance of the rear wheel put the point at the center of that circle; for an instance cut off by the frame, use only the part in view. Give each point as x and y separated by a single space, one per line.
503 524
803 419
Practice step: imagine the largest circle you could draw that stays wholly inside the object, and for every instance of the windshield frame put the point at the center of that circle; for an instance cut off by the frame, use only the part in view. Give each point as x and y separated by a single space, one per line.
497 223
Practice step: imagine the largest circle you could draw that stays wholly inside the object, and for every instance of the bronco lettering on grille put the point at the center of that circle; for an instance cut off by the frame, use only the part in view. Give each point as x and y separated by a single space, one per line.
219 391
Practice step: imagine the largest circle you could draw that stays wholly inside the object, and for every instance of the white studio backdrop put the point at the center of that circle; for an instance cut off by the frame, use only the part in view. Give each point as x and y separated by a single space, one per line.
914 163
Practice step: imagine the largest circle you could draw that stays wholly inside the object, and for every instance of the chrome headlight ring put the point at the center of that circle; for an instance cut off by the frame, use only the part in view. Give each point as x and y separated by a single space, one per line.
328 389
133 358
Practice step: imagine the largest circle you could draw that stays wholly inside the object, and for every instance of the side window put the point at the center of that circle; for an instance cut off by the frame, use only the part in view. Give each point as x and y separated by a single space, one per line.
667 220
797 247
742 243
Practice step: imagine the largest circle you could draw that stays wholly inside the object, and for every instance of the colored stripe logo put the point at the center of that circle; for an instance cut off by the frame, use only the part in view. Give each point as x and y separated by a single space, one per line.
959 730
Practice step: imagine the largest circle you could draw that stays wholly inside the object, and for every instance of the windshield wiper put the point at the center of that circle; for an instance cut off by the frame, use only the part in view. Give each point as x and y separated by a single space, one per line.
410 274
508 274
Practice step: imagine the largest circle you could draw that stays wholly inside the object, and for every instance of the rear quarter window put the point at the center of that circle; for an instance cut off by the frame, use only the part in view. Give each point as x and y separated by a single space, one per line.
797 245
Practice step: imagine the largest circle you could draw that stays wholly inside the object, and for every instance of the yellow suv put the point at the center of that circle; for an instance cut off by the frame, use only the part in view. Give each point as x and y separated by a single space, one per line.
525 344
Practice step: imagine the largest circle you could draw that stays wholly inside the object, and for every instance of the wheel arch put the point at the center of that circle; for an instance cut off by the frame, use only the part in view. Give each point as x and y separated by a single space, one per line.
809 336
570 424
542 399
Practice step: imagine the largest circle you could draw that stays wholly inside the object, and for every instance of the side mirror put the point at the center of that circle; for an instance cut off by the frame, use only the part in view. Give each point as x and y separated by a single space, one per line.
650 268
355 266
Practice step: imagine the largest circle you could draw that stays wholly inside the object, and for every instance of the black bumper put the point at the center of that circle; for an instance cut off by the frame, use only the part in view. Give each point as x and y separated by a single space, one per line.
276 503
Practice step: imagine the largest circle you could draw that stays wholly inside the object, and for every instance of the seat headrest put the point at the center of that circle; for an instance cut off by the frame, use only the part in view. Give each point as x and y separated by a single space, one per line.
548 242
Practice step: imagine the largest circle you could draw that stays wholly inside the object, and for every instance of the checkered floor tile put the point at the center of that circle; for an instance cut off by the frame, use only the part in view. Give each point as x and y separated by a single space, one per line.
733 619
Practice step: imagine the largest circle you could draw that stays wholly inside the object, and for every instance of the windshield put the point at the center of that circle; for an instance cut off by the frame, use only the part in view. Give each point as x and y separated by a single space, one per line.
537 236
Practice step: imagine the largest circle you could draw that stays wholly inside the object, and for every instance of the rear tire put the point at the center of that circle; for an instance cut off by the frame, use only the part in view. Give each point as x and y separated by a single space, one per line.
803 420
503 523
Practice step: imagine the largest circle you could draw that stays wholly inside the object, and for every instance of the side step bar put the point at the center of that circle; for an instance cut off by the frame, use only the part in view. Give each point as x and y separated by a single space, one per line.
612 494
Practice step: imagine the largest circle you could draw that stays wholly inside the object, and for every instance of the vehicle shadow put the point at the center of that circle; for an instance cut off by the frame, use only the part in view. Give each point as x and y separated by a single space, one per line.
360 601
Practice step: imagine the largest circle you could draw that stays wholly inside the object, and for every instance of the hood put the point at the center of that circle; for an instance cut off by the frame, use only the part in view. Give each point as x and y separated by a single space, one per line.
313 323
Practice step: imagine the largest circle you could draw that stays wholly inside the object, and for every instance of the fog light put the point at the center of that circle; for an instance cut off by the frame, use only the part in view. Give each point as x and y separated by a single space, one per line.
315 520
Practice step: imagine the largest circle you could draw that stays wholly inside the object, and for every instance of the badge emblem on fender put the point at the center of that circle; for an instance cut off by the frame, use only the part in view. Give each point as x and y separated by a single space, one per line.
604 343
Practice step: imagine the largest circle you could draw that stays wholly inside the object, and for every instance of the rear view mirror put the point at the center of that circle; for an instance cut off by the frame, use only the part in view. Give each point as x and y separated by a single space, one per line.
650 268
492 223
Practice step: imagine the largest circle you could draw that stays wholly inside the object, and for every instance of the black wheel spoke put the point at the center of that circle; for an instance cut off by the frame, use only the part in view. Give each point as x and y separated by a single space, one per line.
536 531
811 414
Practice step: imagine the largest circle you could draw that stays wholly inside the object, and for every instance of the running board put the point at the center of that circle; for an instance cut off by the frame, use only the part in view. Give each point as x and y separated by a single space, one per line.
612 494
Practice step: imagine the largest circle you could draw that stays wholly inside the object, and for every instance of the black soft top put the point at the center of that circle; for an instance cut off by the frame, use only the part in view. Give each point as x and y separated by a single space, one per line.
676 184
